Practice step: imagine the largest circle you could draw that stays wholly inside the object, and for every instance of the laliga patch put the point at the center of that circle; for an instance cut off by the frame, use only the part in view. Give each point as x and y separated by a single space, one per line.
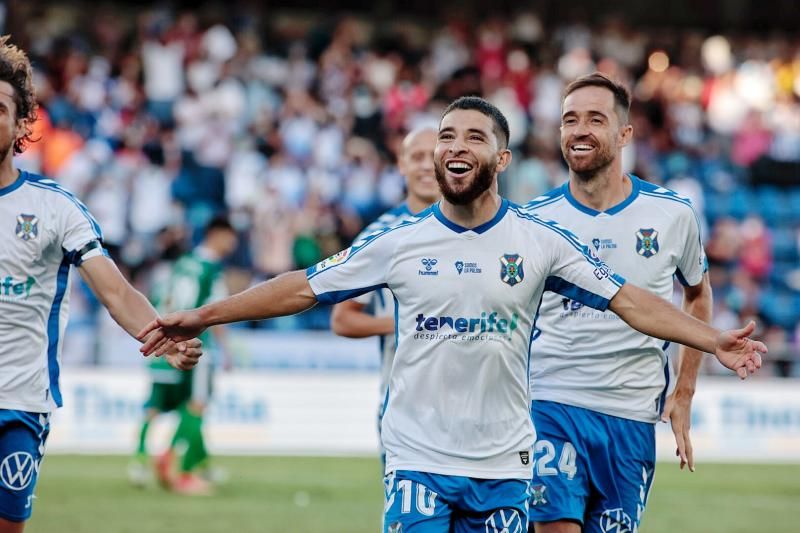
333 260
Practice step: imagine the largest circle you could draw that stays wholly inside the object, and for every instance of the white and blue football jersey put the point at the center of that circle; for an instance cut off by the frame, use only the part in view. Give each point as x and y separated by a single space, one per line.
592 359
381 301
465 302
42 229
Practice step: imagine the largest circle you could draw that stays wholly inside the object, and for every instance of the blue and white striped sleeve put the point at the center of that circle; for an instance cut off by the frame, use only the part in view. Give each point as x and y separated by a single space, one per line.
82 238
357 270
576 272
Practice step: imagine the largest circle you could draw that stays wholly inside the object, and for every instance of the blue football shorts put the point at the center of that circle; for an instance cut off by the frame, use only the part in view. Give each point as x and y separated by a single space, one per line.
419 502
590 468
22 438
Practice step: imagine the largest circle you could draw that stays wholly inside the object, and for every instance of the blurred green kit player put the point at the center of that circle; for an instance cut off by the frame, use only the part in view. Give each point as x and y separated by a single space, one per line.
193 280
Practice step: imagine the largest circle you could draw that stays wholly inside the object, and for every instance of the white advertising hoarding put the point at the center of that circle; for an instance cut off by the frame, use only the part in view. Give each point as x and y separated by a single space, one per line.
334 413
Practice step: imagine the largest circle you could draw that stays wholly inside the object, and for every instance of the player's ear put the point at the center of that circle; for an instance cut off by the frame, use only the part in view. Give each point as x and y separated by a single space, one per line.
503 160
625 134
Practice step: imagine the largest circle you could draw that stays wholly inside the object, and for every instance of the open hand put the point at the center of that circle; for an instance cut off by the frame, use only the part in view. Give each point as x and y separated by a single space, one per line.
738 352
678 411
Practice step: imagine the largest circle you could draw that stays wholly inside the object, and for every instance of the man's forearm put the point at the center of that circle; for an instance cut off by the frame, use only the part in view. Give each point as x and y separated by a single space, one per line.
654 316
286 294
367 326
127 306
130 309
348 319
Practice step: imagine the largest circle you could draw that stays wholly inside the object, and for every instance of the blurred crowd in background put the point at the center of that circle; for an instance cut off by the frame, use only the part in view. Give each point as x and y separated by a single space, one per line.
289 122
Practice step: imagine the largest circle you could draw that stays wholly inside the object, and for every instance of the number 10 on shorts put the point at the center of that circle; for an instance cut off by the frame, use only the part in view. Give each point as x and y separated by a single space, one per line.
543 454
425 498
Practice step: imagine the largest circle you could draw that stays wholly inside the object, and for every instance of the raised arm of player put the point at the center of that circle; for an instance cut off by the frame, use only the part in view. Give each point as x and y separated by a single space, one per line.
698 302
284 295
654 316
348 319
130 309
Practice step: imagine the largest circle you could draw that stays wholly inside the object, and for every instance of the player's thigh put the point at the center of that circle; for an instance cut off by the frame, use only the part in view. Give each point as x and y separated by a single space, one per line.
22 439
560 484
166 397
415 504
7 526
622 479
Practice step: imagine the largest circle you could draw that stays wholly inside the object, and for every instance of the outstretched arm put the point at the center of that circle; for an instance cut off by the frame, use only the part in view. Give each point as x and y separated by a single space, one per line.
348 319
130 309
698 302
656 317
284 295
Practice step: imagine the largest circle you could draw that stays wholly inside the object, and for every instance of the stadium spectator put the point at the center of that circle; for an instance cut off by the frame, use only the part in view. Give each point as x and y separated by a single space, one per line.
716 111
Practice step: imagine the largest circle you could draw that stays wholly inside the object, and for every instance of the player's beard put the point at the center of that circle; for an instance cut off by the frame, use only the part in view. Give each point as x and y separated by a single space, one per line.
589 168
484 176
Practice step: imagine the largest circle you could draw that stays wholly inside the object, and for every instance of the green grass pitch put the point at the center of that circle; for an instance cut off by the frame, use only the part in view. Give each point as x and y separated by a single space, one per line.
89 494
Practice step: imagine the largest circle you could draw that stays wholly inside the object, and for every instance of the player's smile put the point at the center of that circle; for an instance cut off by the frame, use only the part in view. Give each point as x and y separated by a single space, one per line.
581 148
458 168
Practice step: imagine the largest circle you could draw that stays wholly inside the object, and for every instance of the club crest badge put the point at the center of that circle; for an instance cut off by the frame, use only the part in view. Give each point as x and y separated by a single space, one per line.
511 271
27 227
647 242
537 496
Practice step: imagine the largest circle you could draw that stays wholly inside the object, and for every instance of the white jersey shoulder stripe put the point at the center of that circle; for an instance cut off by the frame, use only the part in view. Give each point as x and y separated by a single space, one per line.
50 185
673 197
544 200
389 218
567 235
656 191
667 194
359 245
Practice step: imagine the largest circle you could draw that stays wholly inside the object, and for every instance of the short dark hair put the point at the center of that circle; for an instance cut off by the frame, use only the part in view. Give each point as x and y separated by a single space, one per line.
476 103
622 96
15 69
219 222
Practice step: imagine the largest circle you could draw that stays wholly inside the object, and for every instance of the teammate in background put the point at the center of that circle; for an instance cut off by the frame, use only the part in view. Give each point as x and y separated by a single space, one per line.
597 386
45 231
194 279
166 390
467 275
350 318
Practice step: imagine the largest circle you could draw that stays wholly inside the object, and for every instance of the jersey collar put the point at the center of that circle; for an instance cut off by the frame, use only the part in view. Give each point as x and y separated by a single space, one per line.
635 186
486 226
14 186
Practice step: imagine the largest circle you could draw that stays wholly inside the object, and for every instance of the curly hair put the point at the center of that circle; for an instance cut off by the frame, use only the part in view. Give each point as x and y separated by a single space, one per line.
15 69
